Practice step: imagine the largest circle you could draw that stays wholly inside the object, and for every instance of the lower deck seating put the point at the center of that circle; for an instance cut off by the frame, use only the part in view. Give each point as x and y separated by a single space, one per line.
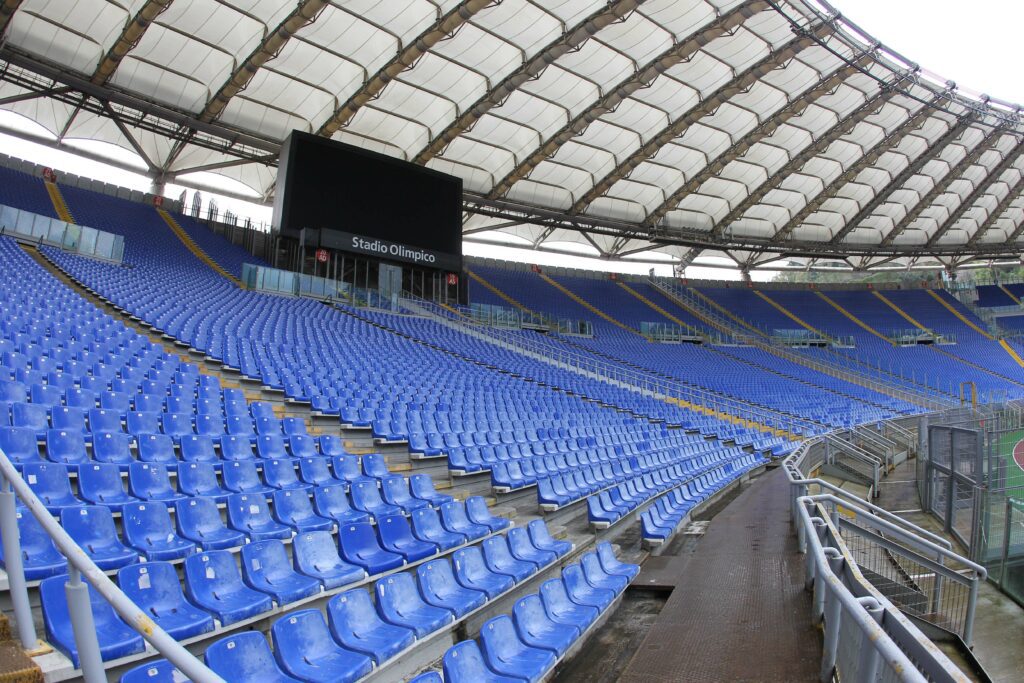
360 632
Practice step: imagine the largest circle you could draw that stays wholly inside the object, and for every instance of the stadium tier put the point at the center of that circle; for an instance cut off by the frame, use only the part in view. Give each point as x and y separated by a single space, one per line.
216 510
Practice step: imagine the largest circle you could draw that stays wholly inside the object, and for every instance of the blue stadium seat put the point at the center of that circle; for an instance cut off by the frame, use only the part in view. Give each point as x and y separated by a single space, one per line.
209 425
330 445
359 545
422 487
536 629
266 568
440 589
198 448
314 471
347 468
92 527
598 578
68 419
506 654
375 466
242 477
542 539
147 528
332 502
235 448
294 509
303 446
156 448
150 482
155 588
280 474
249 513
245 658
612 565
561 608
142 422
426 526
31 416
100 484
112 448
200 479
472 571
454 519
176 425
212 581
464 663
500 559
523 549
478 513
158 671
400 603
355 624
51 484
66 447
39 556
316 554
395 490
101 420
396 536
366 497
116 638
19 444
305 649
198 520
428 677
581 592
271 447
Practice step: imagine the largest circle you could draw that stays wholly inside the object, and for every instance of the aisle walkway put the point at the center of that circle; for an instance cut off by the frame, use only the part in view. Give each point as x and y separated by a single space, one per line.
738 611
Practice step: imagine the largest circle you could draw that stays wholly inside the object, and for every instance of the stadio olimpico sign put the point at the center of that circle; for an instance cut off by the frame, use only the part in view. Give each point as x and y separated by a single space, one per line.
386 249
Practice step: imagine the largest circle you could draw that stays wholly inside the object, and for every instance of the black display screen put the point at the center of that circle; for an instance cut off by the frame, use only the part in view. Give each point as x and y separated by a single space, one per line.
374 203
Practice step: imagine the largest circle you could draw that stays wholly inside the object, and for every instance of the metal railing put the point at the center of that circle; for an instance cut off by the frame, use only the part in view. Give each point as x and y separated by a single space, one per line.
82 573
871 552
616 373
866 638
854 459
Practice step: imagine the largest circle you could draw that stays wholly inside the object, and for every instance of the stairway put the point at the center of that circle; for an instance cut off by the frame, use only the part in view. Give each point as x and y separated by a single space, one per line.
59 205
789 314
726 312
903 314
497 292
860 323
655 307
195 248
1010 294
1013 353
601 314
960 316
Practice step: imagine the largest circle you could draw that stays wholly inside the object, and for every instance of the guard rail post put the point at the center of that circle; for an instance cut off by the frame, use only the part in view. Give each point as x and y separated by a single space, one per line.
15 566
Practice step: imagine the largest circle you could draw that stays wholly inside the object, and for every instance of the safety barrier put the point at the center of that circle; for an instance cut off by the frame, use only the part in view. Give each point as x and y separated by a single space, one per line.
81 569
867 567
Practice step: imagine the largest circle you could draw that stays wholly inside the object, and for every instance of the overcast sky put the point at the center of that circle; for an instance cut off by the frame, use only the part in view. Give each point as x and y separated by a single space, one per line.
976 43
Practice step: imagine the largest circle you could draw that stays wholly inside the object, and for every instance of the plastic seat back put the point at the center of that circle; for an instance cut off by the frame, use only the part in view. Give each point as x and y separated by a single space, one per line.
245 658
304 648
156 448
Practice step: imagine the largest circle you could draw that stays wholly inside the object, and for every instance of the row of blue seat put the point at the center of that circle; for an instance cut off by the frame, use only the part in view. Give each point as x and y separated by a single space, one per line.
149 532
173 395
613 504
151 481
214 589
360 634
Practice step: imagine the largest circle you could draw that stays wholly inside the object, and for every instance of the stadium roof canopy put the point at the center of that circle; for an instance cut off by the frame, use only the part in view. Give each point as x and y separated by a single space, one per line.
651 130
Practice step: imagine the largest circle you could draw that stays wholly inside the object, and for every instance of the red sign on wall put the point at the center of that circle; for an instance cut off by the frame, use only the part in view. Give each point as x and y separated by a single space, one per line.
49 175
322 256
453 279
158 201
